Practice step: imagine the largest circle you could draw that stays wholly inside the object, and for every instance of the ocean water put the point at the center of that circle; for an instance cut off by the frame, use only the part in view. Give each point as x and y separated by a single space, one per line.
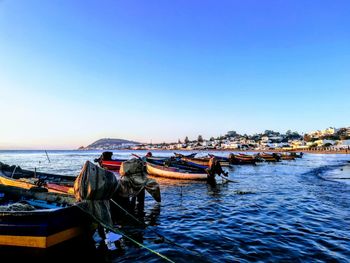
292 211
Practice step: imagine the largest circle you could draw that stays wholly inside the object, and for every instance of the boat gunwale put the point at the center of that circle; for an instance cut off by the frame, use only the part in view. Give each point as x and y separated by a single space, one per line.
47 211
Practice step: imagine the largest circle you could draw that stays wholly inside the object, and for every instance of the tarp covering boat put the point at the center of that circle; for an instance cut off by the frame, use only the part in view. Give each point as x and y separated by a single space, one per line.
95 186
134 179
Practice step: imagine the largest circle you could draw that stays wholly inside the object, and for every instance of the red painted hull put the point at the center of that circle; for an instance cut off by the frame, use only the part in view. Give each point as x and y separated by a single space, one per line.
113 165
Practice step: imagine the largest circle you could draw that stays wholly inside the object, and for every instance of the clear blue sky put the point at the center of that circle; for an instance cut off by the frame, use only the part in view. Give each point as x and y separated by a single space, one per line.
72 72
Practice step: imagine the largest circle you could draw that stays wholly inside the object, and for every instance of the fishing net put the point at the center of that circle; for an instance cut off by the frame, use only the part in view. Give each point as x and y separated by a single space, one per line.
17 207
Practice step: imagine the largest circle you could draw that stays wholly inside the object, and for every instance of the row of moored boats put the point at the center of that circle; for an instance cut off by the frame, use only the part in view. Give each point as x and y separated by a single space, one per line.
40 210
190 167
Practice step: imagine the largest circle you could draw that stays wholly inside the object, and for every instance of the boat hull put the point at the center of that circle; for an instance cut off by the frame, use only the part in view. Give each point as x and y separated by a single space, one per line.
242 160
48 225
203 162
39 229
173 173
113 165
27 184
17 177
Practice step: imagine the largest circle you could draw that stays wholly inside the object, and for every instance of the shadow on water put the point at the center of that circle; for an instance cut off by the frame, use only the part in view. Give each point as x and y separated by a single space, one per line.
141 228
215 188
76 250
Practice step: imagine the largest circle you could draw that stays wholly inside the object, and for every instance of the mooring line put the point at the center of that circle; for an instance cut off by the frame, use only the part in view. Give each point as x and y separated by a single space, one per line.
160 235
117 231
228 180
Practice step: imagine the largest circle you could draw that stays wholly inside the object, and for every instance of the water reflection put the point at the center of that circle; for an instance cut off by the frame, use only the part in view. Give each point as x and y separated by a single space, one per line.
152 219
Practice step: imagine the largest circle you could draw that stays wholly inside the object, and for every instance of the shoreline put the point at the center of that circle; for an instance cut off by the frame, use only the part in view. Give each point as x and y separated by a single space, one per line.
303 151
312 151
262 151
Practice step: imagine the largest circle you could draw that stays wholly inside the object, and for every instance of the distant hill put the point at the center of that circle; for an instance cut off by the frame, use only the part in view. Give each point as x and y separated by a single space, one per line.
109 144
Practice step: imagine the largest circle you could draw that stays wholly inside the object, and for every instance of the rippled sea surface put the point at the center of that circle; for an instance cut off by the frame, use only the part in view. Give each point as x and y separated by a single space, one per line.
292 211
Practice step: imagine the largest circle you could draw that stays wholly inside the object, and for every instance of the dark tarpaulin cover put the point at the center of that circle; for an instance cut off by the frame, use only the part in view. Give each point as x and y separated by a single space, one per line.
93 188
134 179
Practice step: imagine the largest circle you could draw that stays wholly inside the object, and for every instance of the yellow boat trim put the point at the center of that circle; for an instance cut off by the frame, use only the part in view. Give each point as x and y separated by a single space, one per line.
16 183
40 241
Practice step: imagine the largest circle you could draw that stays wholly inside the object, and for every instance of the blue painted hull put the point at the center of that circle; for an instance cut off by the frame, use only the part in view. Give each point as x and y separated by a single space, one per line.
41 228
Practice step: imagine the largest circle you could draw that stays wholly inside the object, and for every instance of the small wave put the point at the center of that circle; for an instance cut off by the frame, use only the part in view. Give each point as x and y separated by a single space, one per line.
323 171
242 192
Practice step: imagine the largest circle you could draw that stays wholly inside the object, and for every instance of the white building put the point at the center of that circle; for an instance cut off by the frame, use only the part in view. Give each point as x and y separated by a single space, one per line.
345 144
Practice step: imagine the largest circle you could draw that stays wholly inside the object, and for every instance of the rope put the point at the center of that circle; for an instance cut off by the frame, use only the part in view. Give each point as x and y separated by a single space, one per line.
14 170
117 231
155 232
231 181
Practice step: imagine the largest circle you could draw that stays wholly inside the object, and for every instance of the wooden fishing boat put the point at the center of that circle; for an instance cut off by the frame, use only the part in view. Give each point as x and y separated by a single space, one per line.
203 161
106 162
176 162
173 172
18 177
287 157
112 165
39 219
269 157
256 157
200 161
245 156
220 158
241 160
233 159
191 155
294 154
155 158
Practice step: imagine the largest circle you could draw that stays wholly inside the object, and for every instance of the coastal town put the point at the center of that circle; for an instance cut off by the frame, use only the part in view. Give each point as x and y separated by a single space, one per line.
331 139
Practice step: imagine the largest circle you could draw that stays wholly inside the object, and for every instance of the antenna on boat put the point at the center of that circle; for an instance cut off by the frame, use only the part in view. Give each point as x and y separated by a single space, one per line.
47 156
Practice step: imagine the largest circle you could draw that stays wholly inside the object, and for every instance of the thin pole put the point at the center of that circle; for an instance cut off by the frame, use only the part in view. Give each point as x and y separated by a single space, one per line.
47 156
